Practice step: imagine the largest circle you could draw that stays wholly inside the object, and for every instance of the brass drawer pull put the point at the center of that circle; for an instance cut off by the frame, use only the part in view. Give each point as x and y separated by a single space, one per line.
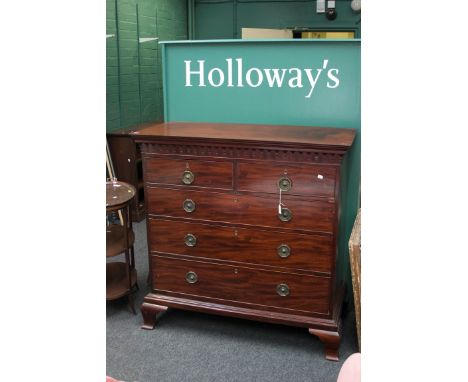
282 290
189 205
190 240
191 277
284 251
285 215
285 184
188 177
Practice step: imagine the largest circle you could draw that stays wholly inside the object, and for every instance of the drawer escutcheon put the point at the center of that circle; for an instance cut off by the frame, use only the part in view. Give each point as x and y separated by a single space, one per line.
189 205
190 240
191 277
285 215
284 251
282 290
284 183
188 177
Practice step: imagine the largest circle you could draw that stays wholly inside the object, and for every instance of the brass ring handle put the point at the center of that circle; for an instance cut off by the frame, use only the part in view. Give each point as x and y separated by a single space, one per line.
188 177
189 205
284 183
282 290
191 277
190 240
284 251
285 215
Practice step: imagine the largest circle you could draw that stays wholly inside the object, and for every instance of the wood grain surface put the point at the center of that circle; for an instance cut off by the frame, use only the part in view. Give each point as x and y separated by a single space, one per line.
310 135
308 215
254 246
306 179
213 174
239 283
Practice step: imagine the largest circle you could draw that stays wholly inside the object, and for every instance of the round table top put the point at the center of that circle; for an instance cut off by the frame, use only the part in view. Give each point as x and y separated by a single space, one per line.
118 193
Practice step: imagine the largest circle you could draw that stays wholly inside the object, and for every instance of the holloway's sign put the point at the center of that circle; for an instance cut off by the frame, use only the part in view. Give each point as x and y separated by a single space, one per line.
235 74
286 82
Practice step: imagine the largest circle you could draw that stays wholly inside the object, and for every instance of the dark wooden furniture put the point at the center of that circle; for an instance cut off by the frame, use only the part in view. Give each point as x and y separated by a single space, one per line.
218 240
126 158
121 277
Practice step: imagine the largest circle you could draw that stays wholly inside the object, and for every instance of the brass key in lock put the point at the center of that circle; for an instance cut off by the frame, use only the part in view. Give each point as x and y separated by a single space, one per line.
285 215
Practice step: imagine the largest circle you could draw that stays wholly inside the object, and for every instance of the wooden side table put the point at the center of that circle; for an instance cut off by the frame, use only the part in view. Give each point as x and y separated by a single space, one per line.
128 166
121 277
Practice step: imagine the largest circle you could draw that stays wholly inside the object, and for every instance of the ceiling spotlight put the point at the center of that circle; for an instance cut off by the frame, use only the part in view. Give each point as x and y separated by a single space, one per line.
356 5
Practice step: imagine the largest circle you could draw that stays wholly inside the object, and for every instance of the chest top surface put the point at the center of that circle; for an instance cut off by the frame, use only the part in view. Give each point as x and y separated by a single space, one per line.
245 133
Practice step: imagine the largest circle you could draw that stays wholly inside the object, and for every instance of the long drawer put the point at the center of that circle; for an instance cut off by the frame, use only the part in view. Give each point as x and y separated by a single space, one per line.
312 215
241 284
292 179
255 246
189 172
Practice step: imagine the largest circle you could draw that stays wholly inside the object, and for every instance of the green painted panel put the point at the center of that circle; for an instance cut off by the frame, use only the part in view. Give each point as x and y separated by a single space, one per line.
128 35
128 25
329 104
133 65
214 21
110 9
128 78
225 19
111 48
339 107
112 74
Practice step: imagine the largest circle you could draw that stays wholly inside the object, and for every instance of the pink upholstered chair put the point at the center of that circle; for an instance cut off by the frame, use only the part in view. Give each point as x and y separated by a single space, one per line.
351 369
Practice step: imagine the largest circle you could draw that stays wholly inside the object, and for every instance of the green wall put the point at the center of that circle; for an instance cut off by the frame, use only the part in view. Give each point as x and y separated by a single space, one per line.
223 19
133 61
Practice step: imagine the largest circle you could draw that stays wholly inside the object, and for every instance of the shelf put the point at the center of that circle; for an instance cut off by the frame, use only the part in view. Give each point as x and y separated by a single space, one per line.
118 193
116 280
115 240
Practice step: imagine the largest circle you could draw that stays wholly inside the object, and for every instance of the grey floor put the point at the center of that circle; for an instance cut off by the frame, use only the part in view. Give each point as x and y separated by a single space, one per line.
189 346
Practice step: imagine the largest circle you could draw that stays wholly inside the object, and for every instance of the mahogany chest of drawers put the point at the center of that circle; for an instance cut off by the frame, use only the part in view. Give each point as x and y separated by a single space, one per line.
242 221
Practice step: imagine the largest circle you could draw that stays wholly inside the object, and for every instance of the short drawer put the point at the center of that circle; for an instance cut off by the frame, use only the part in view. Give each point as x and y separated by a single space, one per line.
241 284
292 178
311 215
190 172
277 249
